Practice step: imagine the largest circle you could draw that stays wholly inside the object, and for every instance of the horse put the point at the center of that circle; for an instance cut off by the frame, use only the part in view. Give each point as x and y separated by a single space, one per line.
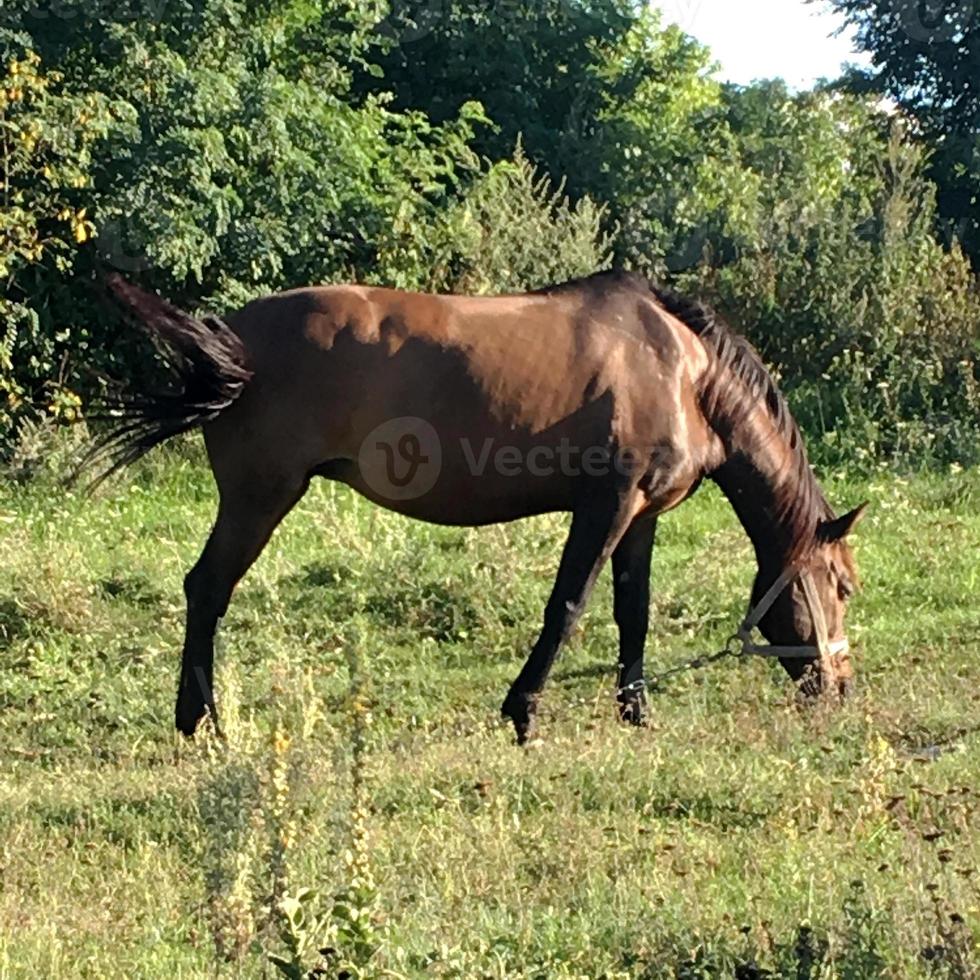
607 397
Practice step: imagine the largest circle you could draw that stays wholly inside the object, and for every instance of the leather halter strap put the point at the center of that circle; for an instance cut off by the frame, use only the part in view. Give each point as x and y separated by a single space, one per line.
825 647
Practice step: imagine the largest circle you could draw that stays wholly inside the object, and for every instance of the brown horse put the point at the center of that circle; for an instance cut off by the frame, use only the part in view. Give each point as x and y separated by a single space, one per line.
605 397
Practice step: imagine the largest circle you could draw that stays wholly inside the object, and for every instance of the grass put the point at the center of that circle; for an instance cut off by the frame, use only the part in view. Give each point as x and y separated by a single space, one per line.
369 802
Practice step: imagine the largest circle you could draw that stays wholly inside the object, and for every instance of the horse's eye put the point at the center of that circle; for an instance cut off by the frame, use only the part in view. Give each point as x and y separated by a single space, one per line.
844 589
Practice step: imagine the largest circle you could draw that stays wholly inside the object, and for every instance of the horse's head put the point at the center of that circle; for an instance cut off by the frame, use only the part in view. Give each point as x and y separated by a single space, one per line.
809 610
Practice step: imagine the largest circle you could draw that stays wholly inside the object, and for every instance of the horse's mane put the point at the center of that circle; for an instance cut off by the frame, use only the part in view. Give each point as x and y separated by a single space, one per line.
738 383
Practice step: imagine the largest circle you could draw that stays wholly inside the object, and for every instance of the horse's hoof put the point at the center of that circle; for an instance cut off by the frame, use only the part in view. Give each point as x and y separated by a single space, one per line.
524 731
186 728
187 720
633 712
812 688
188 725
520 709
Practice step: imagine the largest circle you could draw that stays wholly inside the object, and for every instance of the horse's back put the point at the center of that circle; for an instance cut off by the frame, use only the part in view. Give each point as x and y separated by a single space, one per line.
529 373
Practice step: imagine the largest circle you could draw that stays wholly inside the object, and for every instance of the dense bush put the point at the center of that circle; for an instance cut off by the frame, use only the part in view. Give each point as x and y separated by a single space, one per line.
926 57
828 258
227 161
46 139
220 149
513 232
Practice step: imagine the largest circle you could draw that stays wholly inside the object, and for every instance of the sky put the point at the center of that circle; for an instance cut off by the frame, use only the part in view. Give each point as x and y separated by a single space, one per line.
766 38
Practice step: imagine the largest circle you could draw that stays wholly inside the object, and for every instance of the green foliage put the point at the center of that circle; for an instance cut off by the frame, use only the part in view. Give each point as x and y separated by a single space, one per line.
46 140
348 937
827 258
927 58
533 64
236 163
606 102
866 939
301 931
513 232
253 820
660 126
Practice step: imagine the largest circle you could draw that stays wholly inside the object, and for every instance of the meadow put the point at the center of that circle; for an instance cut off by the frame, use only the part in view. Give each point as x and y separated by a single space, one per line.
369 815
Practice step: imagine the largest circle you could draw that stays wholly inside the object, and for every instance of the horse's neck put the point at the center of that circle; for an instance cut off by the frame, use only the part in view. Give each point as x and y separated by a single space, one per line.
759 481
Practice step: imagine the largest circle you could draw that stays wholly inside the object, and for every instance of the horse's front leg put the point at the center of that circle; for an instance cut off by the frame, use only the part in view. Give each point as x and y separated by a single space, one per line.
631 584
598 524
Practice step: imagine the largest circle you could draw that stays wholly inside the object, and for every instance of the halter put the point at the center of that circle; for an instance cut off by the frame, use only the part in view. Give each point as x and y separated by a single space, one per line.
741 645
825 647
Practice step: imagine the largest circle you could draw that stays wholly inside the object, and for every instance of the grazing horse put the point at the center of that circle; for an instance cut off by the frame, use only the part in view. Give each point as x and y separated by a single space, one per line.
605 397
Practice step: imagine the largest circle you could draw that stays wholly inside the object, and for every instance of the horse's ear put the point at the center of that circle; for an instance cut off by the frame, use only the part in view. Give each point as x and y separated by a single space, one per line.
841 527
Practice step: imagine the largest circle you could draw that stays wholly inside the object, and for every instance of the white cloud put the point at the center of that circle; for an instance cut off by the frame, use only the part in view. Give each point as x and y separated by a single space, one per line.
754 39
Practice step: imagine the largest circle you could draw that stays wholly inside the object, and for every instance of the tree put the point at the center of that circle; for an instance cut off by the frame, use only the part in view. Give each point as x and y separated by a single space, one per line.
600 96
824 252
46 142
926 56
231 161
532 64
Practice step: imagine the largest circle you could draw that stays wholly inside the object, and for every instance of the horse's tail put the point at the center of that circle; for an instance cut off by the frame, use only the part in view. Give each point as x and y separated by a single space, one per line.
209 367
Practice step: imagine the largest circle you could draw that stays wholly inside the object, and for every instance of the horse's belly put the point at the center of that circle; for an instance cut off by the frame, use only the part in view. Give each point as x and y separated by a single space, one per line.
462 489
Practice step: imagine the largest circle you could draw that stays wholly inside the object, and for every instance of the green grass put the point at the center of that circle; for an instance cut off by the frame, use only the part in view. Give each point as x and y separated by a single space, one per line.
361 669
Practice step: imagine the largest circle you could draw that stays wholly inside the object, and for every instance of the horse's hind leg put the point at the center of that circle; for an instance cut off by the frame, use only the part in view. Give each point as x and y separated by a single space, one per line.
631 608
597 527
247 515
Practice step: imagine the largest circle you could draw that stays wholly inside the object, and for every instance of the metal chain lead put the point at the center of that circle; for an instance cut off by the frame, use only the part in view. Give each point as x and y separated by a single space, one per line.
731 651
740 646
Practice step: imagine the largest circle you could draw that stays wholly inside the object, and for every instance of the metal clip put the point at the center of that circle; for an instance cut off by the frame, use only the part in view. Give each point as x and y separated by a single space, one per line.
735 646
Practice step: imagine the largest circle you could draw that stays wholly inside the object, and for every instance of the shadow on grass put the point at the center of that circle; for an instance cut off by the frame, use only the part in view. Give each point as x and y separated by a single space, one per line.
702 808
429 609
137 590
14 621
124 822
